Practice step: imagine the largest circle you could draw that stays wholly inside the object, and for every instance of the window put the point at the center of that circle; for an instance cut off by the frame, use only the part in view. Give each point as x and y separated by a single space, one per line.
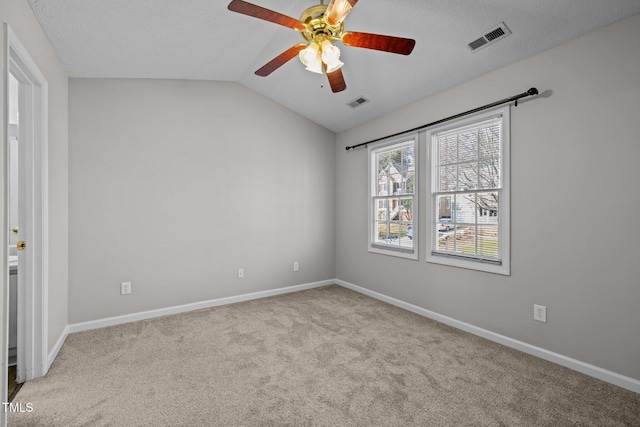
392 198
470 193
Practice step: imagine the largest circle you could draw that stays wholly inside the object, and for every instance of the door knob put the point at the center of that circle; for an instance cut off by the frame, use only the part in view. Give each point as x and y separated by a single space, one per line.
21 245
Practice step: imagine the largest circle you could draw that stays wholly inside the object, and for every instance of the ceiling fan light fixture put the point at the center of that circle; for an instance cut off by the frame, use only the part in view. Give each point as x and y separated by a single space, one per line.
337 10
331 56
310 57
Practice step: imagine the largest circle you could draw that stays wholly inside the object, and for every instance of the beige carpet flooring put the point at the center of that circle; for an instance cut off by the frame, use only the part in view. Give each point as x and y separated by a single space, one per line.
322 357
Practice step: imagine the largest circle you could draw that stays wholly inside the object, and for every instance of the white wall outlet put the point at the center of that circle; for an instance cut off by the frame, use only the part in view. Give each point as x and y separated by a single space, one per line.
296 266
241 273
125 288
540 313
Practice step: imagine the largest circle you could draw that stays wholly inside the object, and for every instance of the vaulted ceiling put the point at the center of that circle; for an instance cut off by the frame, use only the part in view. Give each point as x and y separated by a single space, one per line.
203 40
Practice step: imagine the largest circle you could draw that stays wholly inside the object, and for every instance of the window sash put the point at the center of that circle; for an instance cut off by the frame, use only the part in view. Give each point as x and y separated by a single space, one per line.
473 234
391 228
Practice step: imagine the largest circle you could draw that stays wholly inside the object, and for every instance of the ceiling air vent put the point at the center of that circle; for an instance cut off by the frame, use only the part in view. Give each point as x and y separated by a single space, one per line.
357 102
496 33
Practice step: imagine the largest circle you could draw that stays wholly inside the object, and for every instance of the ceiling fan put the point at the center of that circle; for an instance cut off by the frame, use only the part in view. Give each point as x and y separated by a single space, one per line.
322 25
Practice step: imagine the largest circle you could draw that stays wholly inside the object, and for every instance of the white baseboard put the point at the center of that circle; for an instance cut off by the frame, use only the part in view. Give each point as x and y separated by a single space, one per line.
577 365
118 320
56 348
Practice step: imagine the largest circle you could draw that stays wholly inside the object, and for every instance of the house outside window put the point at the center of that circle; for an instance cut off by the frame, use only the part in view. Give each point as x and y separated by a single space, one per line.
469 193
392 197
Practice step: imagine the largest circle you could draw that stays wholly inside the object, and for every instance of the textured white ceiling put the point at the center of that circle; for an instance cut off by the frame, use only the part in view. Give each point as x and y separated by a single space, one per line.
202 40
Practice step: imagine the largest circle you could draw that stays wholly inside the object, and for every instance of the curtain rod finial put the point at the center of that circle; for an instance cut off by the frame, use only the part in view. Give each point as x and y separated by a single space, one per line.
532 91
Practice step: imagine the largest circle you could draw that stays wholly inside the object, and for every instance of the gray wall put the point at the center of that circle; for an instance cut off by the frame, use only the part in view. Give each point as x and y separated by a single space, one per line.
176 184
18 14
575 229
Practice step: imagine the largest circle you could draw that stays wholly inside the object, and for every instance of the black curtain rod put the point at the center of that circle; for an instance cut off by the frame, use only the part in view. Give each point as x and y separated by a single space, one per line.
530 92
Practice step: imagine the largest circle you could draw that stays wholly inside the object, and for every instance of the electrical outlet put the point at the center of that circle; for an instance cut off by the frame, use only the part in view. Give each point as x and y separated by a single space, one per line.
296 266
540 313
125 288
241 273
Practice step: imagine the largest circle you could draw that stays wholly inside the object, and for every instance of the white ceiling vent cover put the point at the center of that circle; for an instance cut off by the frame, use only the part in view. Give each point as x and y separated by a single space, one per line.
357 102
491 36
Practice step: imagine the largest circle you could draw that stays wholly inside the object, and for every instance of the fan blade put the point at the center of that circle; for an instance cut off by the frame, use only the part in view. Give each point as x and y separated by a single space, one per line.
336 80
280 60
338 10
259 12
379 42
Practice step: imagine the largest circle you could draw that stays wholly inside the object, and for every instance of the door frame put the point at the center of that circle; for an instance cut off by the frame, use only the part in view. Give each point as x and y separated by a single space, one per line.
33 133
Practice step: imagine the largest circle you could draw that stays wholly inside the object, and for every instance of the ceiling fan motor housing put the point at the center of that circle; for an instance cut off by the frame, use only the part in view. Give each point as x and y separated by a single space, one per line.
318 29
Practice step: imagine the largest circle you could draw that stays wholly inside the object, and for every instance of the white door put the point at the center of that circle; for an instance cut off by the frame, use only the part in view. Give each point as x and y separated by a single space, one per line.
32 130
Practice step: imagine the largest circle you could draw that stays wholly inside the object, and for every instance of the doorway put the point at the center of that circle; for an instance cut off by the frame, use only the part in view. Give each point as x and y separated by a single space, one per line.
26 129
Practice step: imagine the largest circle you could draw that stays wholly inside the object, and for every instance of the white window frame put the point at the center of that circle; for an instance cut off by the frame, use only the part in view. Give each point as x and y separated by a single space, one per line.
372 181
504 227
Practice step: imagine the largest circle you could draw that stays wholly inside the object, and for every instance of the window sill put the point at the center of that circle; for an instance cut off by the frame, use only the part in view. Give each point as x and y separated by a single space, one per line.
470 264
399 254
